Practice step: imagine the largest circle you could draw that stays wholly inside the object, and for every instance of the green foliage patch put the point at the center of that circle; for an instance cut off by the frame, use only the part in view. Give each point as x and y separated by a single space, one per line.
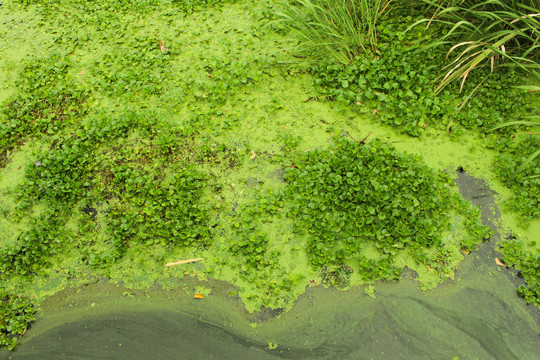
46 103
190 6
33 248
144 197
16 313
125 179
251 241
136 65
398 84
111 6
357 197
258 254
526 183
527 261
102 9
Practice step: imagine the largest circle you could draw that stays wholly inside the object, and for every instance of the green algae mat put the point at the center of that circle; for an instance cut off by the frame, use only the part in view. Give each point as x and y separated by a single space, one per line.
136 134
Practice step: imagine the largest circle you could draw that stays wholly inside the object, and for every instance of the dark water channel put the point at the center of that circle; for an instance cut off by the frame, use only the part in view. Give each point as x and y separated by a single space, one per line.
477 316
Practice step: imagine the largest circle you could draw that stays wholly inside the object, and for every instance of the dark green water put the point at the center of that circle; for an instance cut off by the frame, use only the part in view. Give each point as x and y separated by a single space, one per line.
476 316
472 322
140 335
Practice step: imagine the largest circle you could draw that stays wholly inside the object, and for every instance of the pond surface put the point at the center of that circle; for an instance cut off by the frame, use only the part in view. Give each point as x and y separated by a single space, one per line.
478 317
475 316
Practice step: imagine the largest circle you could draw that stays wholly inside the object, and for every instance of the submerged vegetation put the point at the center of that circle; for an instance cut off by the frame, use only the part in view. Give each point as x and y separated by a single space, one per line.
161 130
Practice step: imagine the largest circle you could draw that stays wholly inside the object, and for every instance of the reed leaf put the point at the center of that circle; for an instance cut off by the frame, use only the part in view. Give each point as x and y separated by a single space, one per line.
507 32
528 161
519 122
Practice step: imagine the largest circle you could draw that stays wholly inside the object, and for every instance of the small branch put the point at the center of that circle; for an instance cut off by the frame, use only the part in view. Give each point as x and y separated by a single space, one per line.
183 262
363 141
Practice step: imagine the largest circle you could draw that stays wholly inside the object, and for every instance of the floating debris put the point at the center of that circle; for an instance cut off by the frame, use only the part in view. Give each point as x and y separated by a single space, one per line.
183 262
164 50
499 262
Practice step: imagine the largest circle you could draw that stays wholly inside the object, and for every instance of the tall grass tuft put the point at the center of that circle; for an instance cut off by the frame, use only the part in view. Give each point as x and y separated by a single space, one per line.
340 29
492 33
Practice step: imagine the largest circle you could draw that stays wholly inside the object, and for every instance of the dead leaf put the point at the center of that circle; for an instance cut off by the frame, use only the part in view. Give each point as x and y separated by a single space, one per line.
466 252
429 268
198 296
252 155
293 165
499 262
183 262
164 50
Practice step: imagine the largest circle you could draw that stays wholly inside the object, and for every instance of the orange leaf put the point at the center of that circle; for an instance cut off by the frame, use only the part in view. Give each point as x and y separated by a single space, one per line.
499 262
198 296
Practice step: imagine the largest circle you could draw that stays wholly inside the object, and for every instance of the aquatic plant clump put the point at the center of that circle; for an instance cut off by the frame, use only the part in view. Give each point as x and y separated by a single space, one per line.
16 313
398 85
356 197
527 262
525 183
141 195
33 248
46 103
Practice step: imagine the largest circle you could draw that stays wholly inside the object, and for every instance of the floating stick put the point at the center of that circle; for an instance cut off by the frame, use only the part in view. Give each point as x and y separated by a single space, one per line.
183 262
